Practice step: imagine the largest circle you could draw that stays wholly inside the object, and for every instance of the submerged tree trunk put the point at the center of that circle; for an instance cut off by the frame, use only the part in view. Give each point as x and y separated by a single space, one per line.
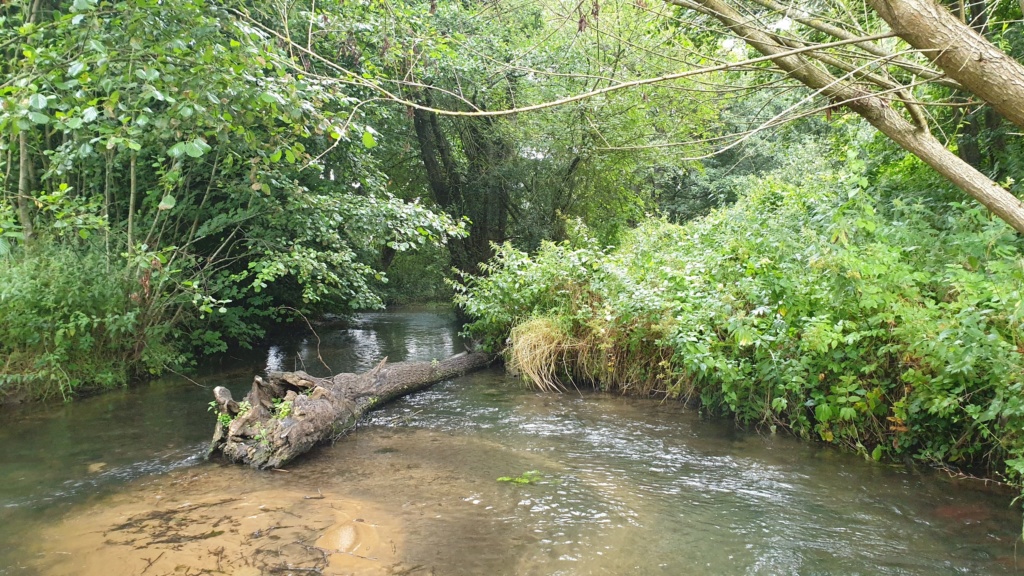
290 412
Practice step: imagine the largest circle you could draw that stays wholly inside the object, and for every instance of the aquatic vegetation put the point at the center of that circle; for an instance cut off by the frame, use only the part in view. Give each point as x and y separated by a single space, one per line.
528 477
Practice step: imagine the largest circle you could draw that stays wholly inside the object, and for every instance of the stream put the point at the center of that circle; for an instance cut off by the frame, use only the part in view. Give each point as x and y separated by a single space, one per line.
114 484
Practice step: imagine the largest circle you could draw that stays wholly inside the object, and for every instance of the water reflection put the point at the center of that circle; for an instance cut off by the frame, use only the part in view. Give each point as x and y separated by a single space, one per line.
367 338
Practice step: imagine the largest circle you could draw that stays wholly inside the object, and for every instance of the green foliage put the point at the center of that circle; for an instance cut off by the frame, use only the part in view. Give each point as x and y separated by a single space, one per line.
70 324
417 277
282 408
224 184
890 328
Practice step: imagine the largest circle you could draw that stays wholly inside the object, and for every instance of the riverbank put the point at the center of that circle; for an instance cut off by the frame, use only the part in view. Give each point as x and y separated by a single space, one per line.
886 329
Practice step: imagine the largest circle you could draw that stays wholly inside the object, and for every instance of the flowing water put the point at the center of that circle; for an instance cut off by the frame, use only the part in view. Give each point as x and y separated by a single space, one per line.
113 485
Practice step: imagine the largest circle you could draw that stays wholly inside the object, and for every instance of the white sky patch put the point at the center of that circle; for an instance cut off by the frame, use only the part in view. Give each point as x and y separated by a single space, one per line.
782 25
532 154
735 48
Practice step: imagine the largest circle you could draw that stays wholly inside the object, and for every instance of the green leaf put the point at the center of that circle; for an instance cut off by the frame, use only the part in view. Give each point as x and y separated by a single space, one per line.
167 203
38 117
76 69
368 140
38 102
823 413
84 234
196 148
876 454
192 150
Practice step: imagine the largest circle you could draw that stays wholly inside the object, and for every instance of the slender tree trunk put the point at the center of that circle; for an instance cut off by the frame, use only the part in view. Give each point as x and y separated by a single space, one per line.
8 168
131 201
24 185
107 199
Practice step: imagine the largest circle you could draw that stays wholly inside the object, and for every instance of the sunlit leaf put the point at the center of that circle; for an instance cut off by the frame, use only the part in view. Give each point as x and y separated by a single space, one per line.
167 203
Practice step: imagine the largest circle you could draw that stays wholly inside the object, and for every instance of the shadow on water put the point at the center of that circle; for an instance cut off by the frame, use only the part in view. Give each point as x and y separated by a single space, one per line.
111 485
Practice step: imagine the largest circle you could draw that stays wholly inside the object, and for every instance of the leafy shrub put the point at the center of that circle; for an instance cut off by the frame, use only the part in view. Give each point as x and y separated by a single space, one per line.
888 328
68 323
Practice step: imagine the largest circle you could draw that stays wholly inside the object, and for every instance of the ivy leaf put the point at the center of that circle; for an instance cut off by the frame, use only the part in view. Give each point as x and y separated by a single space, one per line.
167 203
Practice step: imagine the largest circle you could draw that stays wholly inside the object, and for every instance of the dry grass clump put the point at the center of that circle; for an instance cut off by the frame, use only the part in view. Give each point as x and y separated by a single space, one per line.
543 352
608 359
537 350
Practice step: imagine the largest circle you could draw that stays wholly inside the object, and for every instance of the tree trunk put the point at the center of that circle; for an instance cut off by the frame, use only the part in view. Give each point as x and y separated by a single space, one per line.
915 139
290 412
24 161
960 51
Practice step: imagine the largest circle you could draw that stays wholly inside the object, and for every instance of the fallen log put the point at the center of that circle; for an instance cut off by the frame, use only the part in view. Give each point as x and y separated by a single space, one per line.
288 413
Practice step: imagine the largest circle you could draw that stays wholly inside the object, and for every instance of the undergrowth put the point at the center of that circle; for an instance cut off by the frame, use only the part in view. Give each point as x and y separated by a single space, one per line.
890 327
71 321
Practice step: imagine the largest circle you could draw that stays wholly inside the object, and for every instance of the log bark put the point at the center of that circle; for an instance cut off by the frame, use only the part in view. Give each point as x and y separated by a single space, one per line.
288 413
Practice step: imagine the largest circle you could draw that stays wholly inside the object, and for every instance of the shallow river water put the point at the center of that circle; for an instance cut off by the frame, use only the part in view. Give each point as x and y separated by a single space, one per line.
113 485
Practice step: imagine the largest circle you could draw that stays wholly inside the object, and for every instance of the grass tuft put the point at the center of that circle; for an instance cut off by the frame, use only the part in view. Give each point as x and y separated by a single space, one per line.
537 352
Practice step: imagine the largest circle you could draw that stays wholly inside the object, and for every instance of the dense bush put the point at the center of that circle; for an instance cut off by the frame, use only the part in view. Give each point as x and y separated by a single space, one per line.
72 322
892 328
